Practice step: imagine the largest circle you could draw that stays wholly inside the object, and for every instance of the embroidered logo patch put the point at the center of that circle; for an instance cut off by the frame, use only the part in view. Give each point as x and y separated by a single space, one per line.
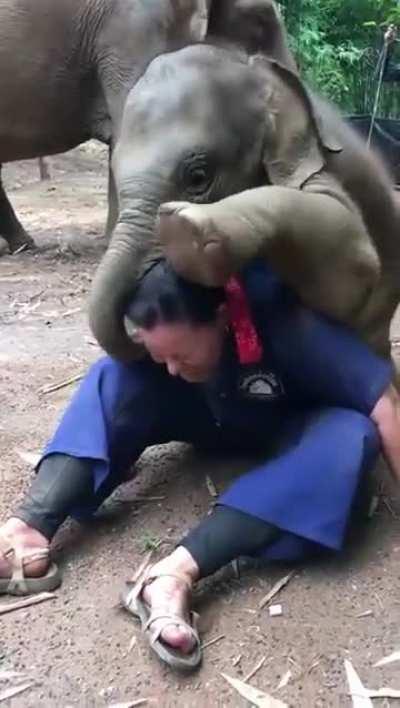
261 385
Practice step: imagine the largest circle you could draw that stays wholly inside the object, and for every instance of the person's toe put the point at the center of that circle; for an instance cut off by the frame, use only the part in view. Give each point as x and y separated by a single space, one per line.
179 638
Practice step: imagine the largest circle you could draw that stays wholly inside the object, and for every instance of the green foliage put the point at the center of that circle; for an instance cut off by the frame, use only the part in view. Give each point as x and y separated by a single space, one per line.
337 44
149 541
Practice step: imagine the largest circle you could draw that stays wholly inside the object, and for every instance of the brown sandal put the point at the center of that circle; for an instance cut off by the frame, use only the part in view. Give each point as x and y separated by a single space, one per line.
18 584
133 602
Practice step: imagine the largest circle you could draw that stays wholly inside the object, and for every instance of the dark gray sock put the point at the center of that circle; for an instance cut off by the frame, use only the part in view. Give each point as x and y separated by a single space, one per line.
225 535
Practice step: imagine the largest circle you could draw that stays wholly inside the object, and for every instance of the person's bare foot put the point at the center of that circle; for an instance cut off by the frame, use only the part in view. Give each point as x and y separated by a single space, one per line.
170 595
25 539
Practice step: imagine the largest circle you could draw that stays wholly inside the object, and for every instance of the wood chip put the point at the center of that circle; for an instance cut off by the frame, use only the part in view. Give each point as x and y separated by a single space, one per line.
237 660
62 384
255 669
132 643
8 675
31 458
15 690
313 666
389 659
92 342
254 695
284 680
389 507
19 250
129 704
213 641
383 693
275 610
211 487
358 692
276 588
27 602
74 311
373 507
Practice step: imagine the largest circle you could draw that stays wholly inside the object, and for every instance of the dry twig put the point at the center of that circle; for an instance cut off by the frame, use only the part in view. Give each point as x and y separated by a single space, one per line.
15 690
62 384
129 704
74 311
213 641
284 680
389 659
254 695
276 588
132 643
357 690
27 602
211 487
255 669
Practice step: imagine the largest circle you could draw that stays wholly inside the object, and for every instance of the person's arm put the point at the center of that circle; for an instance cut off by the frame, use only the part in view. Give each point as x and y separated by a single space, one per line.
326 363
386 416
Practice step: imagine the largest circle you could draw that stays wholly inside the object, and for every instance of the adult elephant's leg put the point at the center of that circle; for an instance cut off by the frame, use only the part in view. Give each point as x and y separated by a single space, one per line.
10 228
112 216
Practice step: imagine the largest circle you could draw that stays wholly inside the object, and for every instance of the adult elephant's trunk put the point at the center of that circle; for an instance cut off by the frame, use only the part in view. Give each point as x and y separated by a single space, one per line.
132 250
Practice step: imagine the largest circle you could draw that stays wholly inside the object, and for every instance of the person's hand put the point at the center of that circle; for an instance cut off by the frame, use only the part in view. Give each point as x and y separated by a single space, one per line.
391 34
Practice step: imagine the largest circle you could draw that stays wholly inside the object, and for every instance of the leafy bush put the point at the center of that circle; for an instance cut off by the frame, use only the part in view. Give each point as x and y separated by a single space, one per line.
338 43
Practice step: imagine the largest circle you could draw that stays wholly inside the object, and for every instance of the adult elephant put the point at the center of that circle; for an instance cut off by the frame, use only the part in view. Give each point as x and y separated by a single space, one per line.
207 122
66 67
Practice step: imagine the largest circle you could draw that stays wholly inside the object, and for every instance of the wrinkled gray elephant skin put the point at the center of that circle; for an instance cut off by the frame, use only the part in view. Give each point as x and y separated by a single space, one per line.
207 122
66 67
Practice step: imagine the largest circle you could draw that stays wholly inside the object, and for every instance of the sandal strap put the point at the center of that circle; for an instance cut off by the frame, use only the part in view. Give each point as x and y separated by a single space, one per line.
17 558
168 619
150 578
145 578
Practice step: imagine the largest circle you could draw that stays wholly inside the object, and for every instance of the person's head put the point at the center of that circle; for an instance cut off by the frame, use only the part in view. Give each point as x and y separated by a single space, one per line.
181 324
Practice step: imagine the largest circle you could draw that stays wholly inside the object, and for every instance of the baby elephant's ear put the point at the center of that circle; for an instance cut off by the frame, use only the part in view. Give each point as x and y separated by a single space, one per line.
296 140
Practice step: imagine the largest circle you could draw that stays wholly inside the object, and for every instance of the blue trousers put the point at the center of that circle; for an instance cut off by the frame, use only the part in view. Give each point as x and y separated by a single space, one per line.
322 451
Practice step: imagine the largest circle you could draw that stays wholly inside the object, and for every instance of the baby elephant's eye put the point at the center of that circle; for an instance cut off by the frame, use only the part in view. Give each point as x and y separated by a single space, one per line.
197 174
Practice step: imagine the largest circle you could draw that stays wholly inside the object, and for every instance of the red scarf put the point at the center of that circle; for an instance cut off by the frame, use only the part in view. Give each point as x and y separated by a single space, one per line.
248 343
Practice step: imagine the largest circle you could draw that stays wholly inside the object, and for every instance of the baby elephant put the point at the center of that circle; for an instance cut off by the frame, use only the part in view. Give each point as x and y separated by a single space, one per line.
280 176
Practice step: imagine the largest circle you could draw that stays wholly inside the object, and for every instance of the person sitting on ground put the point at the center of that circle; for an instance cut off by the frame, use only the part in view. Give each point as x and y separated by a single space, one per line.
247 368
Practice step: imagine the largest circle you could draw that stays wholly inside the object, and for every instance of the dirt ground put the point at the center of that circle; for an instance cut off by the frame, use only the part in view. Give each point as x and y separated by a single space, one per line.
76 648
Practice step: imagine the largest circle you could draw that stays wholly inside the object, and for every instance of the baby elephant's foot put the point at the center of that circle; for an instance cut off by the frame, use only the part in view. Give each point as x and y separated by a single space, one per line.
192 243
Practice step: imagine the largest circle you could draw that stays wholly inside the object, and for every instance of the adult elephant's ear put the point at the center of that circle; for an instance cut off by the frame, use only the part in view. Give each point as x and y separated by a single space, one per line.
194 15
297 141
255 25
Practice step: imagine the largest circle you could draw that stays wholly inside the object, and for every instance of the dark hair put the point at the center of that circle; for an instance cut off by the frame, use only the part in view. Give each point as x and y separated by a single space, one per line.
163 297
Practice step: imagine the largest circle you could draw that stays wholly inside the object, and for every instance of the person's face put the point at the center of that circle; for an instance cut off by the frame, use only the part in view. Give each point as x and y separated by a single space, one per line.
189 351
